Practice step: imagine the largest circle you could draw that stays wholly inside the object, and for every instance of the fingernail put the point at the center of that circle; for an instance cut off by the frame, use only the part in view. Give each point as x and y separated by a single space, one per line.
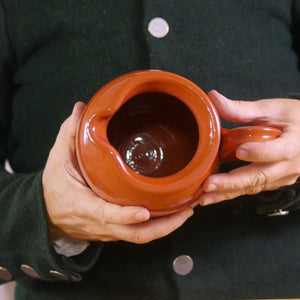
240 153
189 211
207 201
211 187
142 216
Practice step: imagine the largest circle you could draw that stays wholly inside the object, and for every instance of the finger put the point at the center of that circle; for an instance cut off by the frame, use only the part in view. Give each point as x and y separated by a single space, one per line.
242 181
248 179
283 148
107 238
154 229
240 111
88 236
67 132
104 212
75 117
286 181
216 197
77 111
251 178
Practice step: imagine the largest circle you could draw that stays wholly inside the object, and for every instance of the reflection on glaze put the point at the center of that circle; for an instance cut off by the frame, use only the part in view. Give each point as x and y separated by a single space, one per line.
142 153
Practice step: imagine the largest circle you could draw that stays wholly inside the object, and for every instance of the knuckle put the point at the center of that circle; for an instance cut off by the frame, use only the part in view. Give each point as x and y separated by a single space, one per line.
105 214
261 178
141 238
251 190
101 216
255 184
261 154
230 186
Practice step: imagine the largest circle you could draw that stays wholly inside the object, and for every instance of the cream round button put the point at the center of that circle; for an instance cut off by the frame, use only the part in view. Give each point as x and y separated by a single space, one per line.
183 264
30 271
158 27
59 275
5 274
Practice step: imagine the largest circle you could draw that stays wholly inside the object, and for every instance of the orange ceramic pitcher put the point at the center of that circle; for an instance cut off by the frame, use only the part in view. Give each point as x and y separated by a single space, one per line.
150 138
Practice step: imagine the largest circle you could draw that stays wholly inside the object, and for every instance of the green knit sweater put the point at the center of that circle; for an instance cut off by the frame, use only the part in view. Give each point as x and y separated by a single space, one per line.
54 53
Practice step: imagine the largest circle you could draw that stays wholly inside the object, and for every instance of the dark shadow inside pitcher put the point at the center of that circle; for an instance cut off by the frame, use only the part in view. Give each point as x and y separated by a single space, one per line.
156 134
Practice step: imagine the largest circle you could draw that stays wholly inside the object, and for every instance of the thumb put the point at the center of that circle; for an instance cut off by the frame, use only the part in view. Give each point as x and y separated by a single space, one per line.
235 110
257 112
64 145
67 132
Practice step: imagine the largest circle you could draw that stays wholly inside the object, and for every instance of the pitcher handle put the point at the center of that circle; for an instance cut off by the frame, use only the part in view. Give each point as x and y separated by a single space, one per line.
232 138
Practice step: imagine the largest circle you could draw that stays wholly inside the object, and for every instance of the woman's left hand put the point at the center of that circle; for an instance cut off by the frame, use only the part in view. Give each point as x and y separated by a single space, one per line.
274 164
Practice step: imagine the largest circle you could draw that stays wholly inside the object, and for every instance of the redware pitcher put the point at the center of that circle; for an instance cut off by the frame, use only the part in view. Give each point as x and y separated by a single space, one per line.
150 138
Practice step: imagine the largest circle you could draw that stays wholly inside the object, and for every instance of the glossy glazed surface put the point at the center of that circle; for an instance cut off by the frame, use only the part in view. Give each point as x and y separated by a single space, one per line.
232 138
108 174
150 138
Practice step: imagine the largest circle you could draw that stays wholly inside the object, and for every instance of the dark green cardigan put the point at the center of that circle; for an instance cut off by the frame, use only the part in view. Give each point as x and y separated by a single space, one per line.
54 53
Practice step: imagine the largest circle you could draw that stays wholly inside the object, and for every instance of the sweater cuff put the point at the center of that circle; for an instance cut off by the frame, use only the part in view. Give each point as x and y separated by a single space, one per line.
279 202
25 249
69 247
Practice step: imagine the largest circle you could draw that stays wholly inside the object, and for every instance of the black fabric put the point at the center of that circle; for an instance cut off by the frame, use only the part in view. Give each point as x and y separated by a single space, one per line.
54 53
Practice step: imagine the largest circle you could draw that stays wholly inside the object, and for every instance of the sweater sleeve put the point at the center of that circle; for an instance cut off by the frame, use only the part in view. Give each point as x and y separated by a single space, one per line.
25 248
286 199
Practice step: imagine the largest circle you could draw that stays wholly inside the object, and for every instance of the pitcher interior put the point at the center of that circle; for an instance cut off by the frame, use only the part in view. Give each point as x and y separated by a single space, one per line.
156 134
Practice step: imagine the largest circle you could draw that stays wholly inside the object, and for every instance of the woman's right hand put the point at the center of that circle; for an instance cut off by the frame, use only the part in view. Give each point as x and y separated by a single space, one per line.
75 211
